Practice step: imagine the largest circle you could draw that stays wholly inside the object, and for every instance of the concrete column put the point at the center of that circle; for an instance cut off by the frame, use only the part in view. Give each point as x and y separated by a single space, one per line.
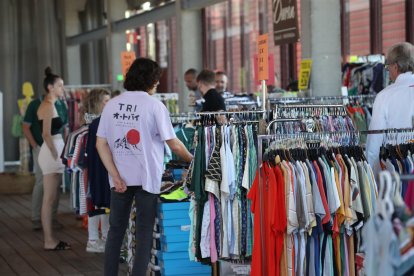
72 27
321 42
188 48
116 42
306 29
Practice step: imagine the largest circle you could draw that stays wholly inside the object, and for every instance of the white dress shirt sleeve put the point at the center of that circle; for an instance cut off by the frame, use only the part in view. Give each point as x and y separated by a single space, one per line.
374 141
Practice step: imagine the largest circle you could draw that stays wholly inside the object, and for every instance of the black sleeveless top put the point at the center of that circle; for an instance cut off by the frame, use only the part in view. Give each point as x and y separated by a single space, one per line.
56 125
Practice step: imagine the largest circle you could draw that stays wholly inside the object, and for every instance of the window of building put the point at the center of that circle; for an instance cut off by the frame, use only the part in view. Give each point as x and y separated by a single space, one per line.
359 23
393 23
232 28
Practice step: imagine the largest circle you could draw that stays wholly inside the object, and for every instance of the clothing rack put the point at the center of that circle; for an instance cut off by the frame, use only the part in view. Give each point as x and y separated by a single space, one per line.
373 131
183 117
387 131
189 114
320 98
261 139
281 121
230 112
299 106
311 105
313 136
306 106
87 86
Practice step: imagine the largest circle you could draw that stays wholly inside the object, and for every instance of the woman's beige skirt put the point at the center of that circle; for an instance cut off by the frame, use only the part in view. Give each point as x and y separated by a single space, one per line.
47 163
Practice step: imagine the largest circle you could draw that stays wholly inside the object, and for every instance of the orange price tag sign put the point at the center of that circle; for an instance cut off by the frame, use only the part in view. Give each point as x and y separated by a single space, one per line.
127 58
262 57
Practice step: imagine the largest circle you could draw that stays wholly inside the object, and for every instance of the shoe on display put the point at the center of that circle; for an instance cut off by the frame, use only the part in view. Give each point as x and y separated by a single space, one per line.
177 195
95 246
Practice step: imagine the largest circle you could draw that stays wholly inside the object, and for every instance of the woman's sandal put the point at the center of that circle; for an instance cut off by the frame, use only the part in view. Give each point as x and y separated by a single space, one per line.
60 246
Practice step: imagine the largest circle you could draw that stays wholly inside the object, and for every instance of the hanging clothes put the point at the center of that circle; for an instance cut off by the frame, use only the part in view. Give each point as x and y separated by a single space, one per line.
89 191
310 230
220 176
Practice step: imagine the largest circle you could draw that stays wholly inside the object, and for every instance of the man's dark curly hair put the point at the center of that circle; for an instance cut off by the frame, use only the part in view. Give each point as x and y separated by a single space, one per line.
143 75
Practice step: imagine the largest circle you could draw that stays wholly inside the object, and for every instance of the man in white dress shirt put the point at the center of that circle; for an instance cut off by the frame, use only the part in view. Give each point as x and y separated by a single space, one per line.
394 105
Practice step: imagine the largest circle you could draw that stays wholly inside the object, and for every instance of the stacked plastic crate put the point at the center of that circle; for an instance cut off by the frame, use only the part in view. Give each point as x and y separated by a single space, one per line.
171 239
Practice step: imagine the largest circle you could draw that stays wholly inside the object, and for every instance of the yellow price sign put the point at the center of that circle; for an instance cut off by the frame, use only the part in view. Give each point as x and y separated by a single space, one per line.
304 74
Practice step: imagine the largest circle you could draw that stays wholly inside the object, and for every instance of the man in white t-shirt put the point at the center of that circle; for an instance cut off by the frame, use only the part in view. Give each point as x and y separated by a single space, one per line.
130 142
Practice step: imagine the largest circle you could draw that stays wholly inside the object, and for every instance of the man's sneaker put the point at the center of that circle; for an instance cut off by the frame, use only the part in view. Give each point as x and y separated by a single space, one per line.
95 246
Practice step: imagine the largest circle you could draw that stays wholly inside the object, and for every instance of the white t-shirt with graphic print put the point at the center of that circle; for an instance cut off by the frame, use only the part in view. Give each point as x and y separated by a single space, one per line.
136 126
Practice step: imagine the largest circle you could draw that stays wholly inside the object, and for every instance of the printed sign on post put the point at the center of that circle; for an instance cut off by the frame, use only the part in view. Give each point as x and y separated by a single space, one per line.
271 80
263 62
304 74
127 58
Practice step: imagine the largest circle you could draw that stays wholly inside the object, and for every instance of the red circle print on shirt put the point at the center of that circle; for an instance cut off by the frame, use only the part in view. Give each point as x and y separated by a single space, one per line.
133 137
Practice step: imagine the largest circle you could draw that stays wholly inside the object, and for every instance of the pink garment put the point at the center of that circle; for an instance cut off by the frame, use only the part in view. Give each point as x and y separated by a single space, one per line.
213 249
409 196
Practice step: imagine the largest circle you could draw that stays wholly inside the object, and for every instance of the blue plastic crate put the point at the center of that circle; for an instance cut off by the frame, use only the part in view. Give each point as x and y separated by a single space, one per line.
170 255
175 247
173 214
174 230
173 222
203 270
182 237
189 270
174 206
177 174
179 264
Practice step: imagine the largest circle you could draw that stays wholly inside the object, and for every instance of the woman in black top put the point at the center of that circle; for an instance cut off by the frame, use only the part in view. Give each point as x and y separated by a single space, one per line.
49 160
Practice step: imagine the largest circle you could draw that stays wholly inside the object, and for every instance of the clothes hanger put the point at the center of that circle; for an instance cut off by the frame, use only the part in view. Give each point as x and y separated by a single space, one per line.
398 200
385 206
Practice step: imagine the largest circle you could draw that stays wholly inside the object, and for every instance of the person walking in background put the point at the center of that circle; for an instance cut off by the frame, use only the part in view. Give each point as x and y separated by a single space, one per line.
394 105
130 141
33 132
49 156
